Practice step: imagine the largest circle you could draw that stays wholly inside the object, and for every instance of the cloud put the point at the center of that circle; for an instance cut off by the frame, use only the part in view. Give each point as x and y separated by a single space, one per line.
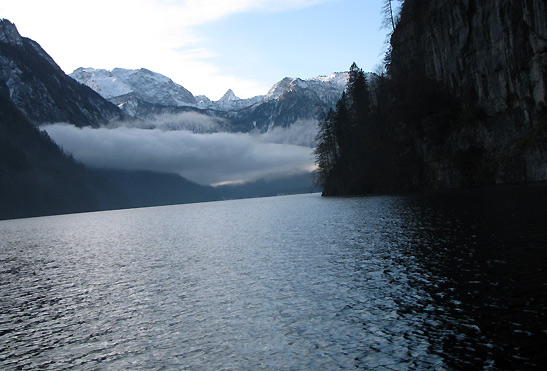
204 158
300 133
195 12
191 121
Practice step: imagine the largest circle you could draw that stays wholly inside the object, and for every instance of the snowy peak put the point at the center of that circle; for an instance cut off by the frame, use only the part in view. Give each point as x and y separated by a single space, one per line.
230 102
334 83
102 81
339 79
147 85
9 33
229 96
279 88
135 90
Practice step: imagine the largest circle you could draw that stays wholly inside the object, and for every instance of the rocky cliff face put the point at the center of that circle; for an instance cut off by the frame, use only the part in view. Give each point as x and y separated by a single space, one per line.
493 53
41 90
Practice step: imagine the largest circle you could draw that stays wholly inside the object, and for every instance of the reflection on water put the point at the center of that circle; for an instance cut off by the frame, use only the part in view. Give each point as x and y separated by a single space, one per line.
484 257
452 280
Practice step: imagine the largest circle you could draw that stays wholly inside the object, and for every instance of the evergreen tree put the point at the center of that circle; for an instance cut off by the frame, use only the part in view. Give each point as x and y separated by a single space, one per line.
322 155
348 140
359 102
342 127
358 93
390 14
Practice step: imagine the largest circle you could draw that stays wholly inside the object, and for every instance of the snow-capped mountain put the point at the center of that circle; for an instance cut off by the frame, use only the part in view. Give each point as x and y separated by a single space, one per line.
149 86
292 100
229 96
289 101
145 94
155 88
230 102
327 87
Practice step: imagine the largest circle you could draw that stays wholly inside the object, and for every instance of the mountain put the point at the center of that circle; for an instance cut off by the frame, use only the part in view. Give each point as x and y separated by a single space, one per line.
291 100
147 188
228 102
37 177
41 90
229 96
327 88
288 101
146 85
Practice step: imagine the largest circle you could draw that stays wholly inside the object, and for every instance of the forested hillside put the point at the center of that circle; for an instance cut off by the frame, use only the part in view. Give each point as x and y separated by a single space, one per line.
37 178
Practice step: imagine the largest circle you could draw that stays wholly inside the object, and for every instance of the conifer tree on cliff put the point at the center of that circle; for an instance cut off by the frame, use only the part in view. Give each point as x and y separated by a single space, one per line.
343 139
391 18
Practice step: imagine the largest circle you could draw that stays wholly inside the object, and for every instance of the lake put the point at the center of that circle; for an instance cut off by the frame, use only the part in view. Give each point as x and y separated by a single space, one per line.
442 280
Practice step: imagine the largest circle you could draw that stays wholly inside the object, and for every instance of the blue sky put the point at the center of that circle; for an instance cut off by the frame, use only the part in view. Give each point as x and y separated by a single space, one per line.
306 42
208 46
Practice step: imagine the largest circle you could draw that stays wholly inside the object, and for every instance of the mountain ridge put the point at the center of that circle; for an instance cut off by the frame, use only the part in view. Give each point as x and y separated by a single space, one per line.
41 90
149 86
112 84
39 178
287 101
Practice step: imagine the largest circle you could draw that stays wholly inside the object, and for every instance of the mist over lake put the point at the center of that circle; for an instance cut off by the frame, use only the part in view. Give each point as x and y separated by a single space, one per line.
205 158
422 124
427 281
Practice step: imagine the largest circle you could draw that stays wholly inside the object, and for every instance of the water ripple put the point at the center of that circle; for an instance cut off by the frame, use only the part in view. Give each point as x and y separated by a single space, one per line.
297 282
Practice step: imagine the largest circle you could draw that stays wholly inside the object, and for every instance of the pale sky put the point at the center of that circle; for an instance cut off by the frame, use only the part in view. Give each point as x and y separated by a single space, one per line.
207 46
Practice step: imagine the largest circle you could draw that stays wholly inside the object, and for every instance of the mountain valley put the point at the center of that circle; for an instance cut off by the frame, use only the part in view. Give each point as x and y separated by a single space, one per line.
39 178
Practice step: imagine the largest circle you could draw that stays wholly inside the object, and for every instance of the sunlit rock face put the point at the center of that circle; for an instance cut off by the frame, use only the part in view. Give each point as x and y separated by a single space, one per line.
494 53
147 85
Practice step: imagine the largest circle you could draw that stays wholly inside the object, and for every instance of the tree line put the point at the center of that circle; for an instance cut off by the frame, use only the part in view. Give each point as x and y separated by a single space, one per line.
387 132
352 142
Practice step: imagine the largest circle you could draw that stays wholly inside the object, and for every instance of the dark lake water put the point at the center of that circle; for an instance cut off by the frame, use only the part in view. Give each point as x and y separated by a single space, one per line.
449 280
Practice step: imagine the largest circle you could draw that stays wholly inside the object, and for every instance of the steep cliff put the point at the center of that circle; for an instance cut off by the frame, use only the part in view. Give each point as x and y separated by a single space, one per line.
491 56
41 90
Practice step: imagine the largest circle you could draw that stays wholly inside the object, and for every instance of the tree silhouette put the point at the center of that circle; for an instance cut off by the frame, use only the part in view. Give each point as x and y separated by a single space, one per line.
390 15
